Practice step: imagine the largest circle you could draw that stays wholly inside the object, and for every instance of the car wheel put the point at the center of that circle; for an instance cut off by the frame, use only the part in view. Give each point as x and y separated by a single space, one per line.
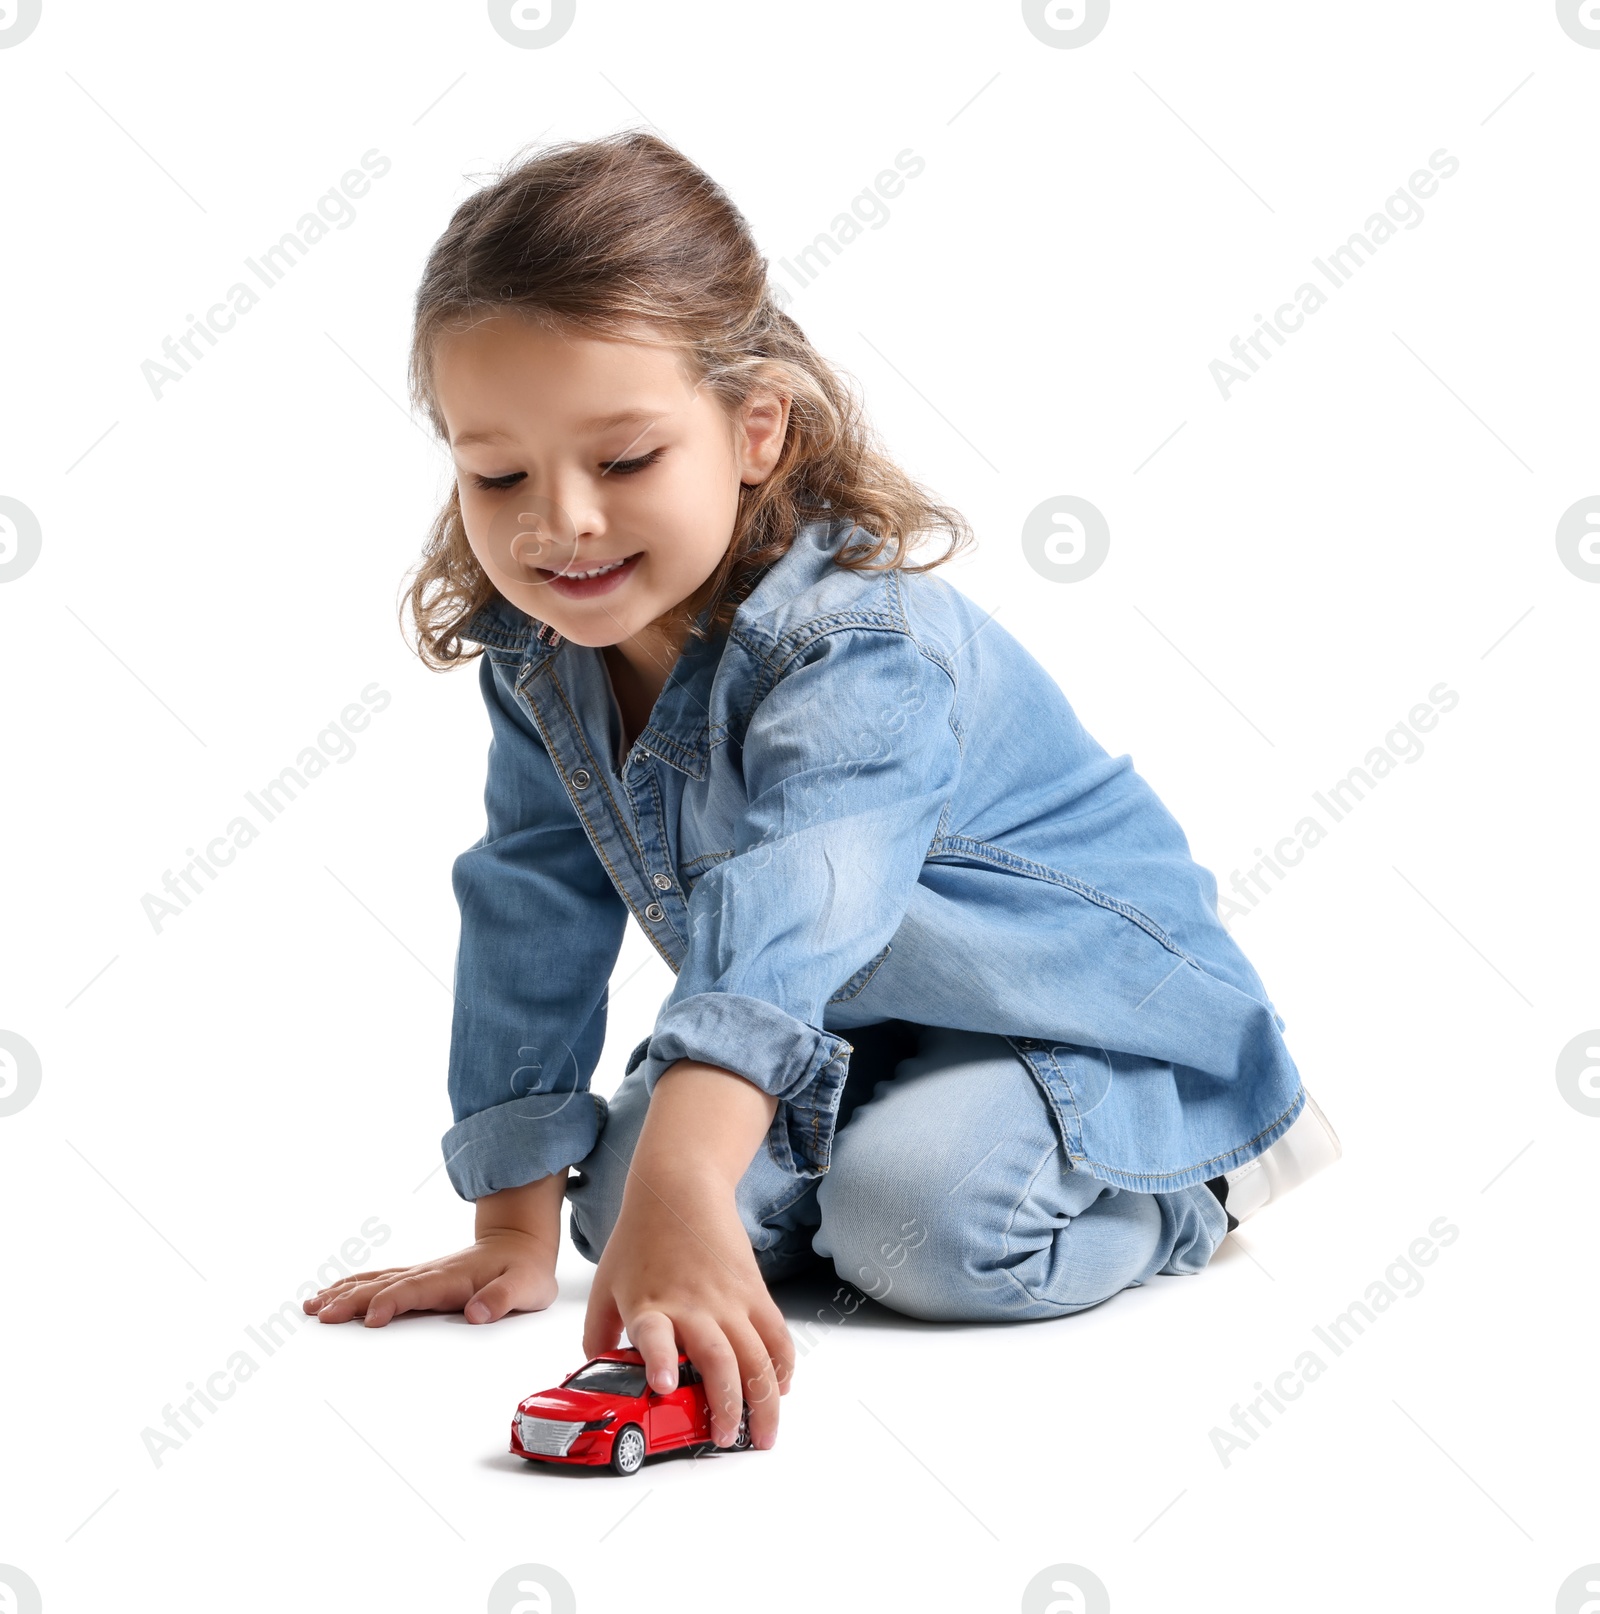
741 1437
627 1450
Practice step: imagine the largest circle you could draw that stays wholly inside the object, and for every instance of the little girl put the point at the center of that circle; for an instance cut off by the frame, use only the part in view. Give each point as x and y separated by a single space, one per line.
954 1010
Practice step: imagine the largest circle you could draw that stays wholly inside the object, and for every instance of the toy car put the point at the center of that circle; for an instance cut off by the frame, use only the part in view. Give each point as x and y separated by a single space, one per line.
607 1413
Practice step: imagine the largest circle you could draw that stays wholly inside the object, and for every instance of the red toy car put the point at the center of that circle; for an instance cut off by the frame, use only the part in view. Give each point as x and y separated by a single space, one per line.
607 1413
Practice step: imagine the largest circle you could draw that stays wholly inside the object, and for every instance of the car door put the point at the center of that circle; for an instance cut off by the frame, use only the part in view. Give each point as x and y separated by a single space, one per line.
671 1417
699 1411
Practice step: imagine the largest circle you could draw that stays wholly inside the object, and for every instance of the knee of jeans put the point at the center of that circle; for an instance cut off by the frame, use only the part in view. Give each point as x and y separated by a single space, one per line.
1100 1252
594 1191
888 1237
955 1258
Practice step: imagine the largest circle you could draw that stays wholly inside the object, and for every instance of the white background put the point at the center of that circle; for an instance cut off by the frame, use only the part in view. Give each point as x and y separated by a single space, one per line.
224 1103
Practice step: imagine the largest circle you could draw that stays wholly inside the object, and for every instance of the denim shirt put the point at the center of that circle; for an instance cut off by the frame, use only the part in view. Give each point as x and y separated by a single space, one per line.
864 800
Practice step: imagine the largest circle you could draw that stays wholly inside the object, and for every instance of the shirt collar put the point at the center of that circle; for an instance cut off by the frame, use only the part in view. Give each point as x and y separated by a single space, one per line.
500 625
680 723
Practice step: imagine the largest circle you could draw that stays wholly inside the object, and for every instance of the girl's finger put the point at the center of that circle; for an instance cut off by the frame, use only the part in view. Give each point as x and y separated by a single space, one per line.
342 1307
707 1347
321 1297
655 1340
769 1323
492 1301
423 1291
602 1322
760 1385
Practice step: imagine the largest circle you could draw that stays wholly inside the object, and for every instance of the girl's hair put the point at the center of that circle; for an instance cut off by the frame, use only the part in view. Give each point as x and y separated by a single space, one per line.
625 237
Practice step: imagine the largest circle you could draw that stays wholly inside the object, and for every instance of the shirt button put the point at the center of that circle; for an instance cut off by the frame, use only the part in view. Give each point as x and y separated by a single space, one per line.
655 912
580 778
662 882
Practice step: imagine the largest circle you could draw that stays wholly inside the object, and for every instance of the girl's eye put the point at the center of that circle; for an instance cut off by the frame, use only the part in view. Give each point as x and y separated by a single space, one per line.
498 484
629 467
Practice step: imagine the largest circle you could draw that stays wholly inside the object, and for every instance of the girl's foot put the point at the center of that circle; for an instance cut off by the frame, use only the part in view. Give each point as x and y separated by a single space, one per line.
1302 1151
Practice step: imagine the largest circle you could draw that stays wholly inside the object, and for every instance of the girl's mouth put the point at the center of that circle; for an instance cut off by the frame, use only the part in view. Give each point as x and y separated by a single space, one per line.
609 575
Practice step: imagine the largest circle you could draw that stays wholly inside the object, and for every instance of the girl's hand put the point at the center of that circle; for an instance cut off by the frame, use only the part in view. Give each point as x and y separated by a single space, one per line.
678 1270
511 1266
501 1273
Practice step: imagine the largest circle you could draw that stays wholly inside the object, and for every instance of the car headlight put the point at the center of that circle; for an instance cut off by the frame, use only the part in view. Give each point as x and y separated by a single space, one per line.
599 1423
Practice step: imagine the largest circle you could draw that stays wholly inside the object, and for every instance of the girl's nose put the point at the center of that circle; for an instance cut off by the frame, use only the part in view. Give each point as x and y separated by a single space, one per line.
578 519
530 531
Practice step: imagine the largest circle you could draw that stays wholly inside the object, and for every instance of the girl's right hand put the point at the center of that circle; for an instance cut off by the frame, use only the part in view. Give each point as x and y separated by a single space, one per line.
510 1266
500 1272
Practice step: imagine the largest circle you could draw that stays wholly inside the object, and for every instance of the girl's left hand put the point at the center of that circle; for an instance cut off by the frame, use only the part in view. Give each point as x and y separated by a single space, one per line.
678 1269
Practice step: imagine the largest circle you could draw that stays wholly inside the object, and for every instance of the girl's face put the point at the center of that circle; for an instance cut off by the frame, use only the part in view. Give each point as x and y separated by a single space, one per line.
574 453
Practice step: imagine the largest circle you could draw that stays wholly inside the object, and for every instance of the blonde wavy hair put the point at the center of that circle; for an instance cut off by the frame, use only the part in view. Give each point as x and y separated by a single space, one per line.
621 235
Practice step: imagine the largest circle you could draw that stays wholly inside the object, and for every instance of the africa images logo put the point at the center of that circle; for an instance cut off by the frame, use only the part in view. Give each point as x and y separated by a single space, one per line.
20 537
1065 539
335 209
531 24
1577 1072
1066 1589
1402 208
532 1589
1577 536
18 19
1580 1591
1581 21
18 1593
1065 24
21 1076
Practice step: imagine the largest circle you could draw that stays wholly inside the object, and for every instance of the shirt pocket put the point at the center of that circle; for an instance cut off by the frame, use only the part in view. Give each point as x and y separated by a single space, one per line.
853 987
691 871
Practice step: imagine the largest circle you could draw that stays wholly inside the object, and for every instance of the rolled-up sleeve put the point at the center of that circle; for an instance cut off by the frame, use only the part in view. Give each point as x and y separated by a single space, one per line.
848 761
541 927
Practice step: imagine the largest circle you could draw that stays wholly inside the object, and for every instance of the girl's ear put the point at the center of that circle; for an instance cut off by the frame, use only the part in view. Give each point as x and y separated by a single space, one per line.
759 434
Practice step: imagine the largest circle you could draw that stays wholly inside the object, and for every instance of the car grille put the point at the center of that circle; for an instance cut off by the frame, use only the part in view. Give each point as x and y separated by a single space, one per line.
545 1436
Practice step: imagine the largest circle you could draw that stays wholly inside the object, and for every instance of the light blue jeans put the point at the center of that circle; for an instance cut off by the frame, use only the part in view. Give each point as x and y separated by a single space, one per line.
948 1196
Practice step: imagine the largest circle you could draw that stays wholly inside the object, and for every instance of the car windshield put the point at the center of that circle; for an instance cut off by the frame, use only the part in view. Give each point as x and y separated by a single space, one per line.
609 1378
